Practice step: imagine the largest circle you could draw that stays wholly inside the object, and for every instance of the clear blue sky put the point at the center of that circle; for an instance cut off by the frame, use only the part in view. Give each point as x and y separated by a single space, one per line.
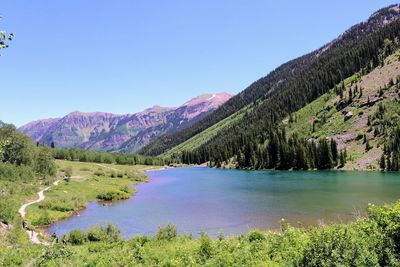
124 56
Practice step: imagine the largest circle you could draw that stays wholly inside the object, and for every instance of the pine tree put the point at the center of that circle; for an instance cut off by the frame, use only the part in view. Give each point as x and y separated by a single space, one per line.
382 163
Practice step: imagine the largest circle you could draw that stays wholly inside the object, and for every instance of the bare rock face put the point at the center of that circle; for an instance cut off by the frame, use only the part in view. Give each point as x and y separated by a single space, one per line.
348 115
127 133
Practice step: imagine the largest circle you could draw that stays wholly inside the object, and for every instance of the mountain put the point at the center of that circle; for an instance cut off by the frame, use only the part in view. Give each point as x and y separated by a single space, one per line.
245 127
125 133
295 72
360 114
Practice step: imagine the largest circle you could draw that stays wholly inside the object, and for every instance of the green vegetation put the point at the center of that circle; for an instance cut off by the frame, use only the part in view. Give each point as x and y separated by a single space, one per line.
372 241
206 135
88 182
320 118
25 169
286 90
22 170
250 136
74 154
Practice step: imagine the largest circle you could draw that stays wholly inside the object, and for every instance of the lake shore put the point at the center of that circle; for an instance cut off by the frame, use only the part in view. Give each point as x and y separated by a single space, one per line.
93 182
241 200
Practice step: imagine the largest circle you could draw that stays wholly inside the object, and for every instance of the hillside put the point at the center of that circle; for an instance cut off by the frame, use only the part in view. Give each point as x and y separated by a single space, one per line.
256 140
310 76
359 118
206 135
125 133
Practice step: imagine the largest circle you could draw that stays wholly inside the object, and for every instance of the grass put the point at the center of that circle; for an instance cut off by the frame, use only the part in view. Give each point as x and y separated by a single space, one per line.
372 241
330 122
89 182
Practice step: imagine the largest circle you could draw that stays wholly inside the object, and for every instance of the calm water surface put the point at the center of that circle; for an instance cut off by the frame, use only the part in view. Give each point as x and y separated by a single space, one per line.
234 202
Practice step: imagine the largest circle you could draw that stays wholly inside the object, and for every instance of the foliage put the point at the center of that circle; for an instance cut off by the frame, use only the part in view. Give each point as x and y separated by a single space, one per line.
167 233
113 195
16 148
91 183
372 241
44 163
77 237
19 161
108 233
74 154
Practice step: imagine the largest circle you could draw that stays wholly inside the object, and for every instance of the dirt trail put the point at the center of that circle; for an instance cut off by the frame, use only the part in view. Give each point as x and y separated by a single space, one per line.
33 236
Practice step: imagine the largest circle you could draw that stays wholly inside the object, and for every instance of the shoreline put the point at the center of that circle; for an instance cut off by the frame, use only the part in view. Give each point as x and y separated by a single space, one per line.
44 229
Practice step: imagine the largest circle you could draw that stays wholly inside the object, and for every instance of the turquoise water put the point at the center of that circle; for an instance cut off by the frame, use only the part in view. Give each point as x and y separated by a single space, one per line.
234 202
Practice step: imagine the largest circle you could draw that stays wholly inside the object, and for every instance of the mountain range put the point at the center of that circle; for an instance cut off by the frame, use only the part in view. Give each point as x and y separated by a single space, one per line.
335 107
123 133
354 76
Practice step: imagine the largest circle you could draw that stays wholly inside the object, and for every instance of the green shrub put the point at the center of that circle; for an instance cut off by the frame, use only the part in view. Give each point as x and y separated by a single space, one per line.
10 172
205 249
256 236
356 244
104 233
168 232
113 195
76 237
8 206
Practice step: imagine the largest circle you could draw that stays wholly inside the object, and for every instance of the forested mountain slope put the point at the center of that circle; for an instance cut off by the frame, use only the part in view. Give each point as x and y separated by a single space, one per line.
360 114
308 77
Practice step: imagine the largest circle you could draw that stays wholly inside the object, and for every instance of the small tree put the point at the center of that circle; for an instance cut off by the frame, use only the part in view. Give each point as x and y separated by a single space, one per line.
382 163
44 164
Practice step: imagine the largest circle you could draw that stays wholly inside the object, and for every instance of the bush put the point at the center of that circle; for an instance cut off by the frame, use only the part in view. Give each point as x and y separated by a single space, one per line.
256 236
113 195
104 233
167 233
8 207
343 245
15 173
76 237
205 249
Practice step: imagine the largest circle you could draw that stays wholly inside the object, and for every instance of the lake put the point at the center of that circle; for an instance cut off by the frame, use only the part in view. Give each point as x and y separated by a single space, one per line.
202 199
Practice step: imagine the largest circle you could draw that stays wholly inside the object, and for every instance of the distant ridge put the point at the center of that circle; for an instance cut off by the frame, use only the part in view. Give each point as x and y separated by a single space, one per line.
127 133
